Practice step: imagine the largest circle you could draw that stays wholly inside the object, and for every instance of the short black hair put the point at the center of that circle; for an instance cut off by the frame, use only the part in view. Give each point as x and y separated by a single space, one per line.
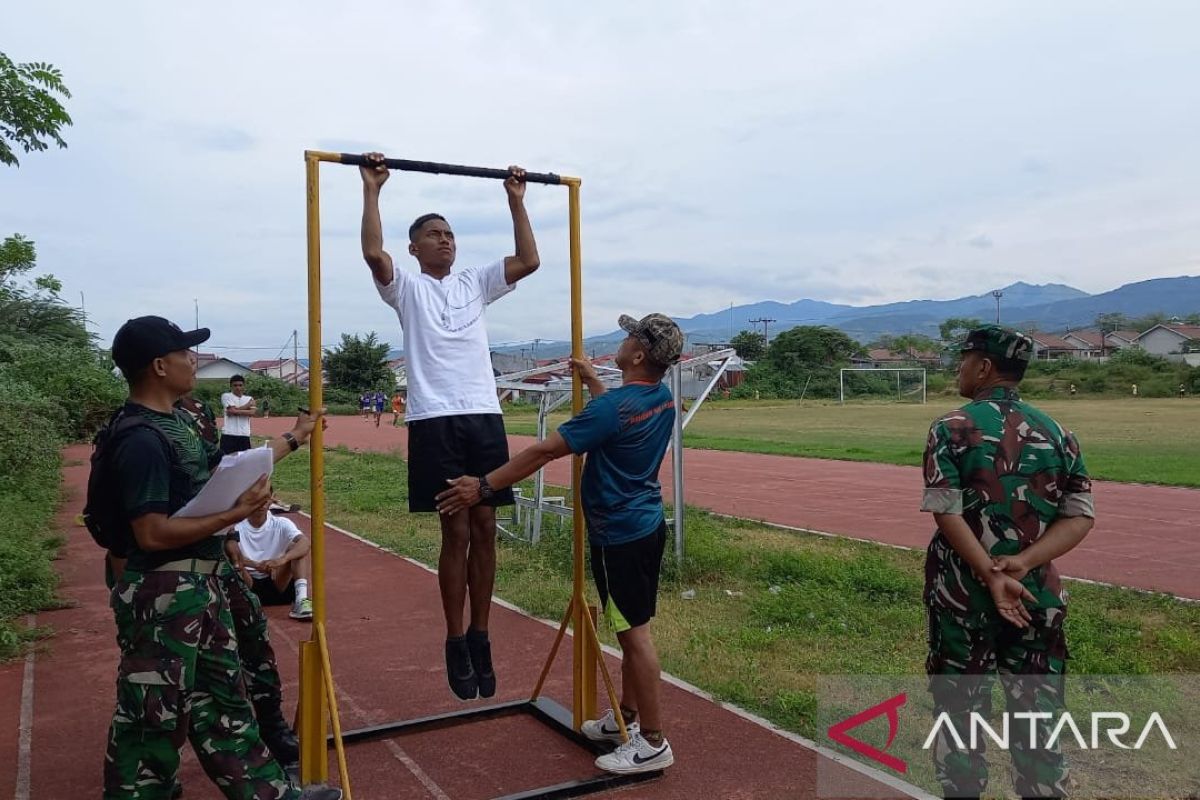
236 379
1011 369
415 228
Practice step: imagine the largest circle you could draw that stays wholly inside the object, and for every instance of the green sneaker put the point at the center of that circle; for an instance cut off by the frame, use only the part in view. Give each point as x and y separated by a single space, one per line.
301 609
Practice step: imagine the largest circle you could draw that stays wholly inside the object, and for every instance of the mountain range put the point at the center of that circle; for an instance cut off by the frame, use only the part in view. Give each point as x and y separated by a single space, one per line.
1053 308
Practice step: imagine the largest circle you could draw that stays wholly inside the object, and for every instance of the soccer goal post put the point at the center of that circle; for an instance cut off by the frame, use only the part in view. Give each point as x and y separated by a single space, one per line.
898 384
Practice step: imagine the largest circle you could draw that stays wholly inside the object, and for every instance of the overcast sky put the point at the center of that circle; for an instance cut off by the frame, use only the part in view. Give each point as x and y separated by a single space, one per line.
730 152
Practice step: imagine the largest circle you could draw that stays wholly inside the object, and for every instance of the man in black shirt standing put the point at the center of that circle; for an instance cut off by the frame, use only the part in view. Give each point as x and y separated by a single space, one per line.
179 676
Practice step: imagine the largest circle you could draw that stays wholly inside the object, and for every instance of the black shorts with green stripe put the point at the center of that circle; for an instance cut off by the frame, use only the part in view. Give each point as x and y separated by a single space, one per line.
626 576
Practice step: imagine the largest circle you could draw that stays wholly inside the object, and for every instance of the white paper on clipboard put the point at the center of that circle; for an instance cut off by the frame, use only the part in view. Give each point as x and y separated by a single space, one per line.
236 473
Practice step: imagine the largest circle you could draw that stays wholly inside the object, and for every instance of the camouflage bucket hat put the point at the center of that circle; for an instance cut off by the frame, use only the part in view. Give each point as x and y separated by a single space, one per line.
658 333
998 342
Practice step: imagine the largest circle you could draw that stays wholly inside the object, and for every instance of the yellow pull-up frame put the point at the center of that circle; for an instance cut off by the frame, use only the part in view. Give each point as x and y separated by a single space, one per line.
317 691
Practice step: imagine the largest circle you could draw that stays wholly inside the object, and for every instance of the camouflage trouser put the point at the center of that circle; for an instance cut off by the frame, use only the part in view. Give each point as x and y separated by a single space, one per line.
966 652
180 678
254 646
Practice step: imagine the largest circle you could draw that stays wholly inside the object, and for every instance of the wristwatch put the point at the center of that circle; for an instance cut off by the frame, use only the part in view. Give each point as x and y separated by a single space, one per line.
291 440
485 490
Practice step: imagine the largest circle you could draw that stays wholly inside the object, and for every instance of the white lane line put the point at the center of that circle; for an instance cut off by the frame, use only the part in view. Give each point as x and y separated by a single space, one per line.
25 731
393 747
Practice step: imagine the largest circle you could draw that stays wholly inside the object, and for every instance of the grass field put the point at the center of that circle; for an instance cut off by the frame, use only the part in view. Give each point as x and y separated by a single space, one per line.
773 610
1141 441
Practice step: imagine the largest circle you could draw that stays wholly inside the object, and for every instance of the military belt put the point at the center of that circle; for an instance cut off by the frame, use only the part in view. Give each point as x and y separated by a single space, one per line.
197 565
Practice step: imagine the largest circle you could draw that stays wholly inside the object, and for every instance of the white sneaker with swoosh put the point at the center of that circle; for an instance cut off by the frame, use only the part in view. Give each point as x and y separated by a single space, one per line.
637 755
605 729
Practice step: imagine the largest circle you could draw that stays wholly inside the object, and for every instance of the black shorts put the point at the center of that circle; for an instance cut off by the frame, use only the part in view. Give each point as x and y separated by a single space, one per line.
441 448
627 579
269 594
234 444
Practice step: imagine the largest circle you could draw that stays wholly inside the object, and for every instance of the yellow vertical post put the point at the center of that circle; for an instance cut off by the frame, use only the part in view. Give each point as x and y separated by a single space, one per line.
583 655
314 760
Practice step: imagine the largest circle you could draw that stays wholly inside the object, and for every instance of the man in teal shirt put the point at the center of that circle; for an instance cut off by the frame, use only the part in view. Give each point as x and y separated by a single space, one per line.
624 432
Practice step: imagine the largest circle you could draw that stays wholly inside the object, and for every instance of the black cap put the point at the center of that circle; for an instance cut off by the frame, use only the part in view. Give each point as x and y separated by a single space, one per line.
141 340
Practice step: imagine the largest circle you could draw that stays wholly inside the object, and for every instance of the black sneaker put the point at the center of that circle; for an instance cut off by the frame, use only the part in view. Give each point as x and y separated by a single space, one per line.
459 672
481 659
281 740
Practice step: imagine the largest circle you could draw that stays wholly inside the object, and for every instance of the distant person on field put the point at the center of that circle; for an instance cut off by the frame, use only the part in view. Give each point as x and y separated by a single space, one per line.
272 555
379 402
1134 387
455 426
364 403
1009 492
239 408
1072 389
266 408
624 432
1182 390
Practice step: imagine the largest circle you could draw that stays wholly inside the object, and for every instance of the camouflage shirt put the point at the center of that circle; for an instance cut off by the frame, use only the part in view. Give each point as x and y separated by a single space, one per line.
1009 470
144 468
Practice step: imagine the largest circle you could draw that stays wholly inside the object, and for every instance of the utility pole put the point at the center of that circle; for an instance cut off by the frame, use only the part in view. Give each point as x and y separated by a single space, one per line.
295 358
997 294
765 322
731 320
83 310
196 301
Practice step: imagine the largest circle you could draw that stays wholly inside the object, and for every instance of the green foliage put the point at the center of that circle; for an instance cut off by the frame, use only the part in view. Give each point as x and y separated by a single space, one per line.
34 312
803 361
906 343
78 381
359 365
809 347
54 388
30 113
749 345
955 329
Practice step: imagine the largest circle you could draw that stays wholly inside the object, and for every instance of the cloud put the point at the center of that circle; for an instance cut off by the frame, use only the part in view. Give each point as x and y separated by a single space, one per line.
728 153
223 139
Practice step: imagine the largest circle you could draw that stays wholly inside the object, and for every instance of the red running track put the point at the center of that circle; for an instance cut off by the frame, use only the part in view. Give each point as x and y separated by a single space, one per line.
386 638
1146 537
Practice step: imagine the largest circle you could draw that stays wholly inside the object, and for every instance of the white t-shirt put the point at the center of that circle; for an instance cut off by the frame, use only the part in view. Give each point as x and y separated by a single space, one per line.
235 426
446 351
269 541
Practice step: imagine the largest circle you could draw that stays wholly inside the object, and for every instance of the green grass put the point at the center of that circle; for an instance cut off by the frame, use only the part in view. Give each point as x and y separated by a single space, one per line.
1141 441
772 609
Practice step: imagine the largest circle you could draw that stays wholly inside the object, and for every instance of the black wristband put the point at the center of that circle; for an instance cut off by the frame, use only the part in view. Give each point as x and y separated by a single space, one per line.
485 489
291 440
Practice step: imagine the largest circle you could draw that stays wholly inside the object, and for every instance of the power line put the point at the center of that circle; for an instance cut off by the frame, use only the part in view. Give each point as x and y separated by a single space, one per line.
765 322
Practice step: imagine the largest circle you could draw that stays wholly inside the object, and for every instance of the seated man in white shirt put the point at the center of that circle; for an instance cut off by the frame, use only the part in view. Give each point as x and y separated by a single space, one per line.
271 554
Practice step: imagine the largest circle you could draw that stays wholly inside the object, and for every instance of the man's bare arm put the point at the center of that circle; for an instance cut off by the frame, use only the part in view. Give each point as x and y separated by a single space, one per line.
377 258
526 260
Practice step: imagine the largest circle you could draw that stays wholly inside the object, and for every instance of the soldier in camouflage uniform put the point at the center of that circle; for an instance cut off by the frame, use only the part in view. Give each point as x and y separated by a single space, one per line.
180 676
259 667
1009 491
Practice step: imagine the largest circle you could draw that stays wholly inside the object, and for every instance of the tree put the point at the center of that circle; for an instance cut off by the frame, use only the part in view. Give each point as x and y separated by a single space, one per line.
30 114
809 347
359 365
34 312
749 345
956 329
